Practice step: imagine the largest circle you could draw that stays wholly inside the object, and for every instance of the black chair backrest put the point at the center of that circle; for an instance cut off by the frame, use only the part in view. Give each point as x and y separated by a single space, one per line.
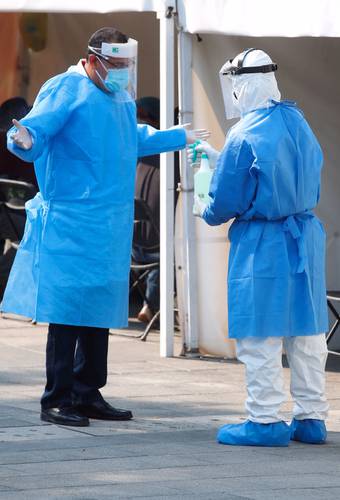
16 193
10 229
13 196
143 215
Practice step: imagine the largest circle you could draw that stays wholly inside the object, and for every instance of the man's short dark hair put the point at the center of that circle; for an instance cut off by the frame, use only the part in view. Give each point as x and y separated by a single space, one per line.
106 35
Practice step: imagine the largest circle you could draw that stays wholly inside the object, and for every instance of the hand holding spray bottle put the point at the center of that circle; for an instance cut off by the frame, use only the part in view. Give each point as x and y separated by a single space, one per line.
202 179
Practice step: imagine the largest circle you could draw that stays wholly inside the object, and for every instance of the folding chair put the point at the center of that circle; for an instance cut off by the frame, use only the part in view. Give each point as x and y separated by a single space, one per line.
13 196
333 296
140 270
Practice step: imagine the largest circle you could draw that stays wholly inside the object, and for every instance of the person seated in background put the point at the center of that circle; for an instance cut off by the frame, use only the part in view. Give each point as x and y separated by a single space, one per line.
12 167
148 189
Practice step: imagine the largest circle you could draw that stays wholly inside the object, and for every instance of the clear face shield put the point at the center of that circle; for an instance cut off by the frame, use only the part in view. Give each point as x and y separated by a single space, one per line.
231 109
232 71
119 60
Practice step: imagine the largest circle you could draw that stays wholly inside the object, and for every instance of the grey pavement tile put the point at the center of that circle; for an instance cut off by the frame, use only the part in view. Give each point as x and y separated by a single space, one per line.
305 451
324 493
248 485
195 495
114 492
204 496
7 471
46 444
5 491
213 479
169 451
158 424
120 481
31 433
72 441
6 422
98 450
115 465
243 468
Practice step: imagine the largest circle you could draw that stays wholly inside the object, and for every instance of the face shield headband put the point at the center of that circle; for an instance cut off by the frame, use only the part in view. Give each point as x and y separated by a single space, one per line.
126 50
233 67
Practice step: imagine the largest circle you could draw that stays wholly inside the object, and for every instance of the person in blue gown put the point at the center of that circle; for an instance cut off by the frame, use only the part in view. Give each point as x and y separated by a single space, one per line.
267 179
72 267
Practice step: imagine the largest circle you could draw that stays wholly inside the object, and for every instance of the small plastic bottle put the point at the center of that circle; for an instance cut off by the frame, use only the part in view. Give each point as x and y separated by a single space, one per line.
202 179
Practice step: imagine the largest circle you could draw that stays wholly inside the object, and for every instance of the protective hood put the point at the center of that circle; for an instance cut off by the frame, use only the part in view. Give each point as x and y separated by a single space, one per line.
248 83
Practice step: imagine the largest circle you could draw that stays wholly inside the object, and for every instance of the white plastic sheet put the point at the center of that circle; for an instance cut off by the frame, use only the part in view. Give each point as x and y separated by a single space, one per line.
289 18
74 6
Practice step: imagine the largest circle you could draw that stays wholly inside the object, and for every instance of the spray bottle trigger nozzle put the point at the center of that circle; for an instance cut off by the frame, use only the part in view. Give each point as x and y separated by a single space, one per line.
195 152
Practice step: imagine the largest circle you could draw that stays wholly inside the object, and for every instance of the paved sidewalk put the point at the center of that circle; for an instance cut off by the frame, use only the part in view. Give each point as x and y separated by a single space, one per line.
168 451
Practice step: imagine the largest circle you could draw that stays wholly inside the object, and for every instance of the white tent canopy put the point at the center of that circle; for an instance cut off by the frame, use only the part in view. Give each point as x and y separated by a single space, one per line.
83 6
288 18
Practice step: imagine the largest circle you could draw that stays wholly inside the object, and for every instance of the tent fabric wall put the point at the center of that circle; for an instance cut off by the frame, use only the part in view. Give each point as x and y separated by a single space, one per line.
9 38
308 74
68 35
289 18
212 245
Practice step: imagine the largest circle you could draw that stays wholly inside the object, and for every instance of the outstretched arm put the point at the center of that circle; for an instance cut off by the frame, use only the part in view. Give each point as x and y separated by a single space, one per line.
28 138
152 141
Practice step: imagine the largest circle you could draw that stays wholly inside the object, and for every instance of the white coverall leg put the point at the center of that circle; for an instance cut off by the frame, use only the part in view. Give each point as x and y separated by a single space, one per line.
307 358
264 376
262 357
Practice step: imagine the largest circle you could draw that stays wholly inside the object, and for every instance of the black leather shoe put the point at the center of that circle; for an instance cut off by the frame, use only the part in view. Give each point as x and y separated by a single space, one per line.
64 416
101 410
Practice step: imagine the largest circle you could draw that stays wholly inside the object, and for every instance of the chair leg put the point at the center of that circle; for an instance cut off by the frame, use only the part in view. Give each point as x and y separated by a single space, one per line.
336 323
332 330
138 280
149 326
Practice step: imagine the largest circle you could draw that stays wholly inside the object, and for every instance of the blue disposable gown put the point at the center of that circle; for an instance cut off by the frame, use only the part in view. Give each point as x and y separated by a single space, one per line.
72 266
268 178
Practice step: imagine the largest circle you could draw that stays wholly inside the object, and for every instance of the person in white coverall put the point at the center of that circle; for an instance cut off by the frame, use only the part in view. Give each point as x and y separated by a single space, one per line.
267 177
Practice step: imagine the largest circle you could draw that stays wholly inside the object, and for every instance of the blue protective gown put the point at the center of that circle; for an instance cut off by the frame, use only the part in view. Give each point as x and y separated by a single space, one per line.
72 266
268 178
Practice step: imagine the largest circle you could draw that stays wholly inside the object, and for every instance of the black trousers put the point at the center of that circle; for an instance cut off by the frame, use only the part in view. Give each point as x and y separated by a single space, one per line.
76 365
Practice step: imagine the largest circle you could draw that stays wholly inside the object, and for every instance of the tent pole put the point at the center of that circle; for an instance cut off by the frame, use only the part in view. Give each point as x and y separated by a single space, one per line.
167 186
187 183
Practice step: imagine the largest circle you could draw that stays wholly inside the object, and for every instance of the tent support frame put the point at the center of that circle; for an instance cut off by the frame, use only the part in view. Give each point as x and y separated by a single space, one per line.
190 337
167 104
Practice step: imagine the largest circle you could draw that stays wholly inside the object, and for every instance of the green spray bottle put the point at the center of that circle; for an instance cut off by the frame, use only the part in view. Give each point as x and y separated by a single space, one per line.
202 179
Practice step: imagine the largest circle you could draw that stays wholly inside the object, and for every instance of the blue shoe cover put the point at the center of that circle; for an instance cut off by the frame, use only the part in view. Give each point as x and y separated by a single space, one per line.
309 430
255 434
